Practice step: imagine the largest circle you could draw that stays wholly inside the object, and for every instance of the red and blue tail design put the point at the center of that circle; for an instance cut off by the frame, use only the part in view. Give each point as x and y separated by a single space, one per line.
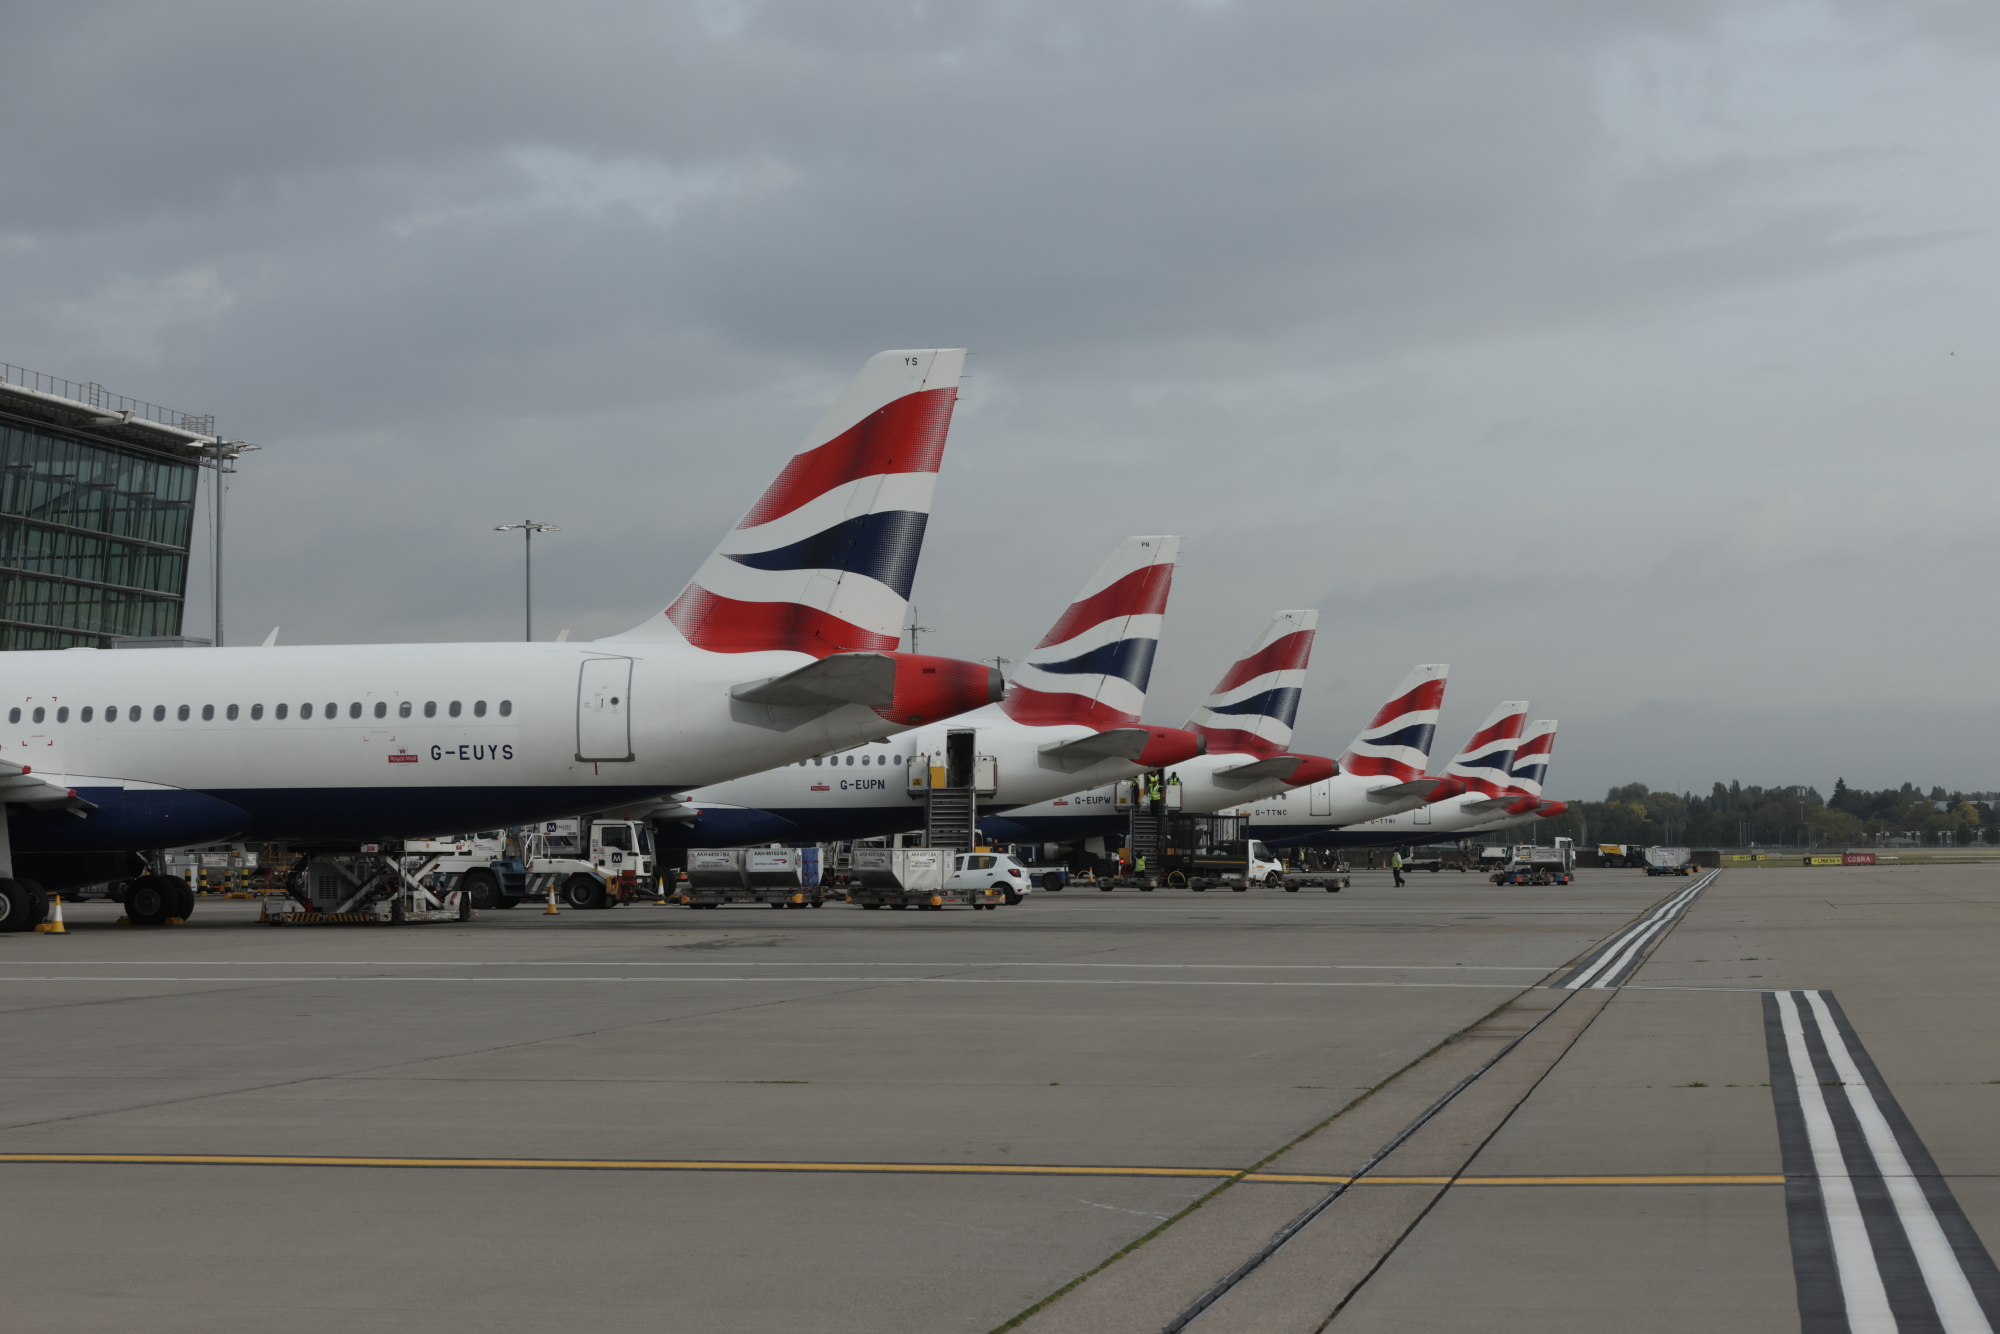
1093 667
1397 743
1531 759
1252 708
1484 765
824 560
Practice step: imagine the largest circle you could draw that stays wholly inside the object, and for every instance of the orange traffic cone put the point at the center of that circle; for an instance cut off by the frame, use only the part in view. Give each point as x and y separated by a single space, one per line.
552 902
54 926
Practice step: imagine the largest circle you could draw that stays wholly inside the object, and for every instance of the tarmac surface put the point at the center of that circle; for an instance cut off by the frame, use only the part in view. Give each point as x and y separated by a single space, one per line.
1090 1112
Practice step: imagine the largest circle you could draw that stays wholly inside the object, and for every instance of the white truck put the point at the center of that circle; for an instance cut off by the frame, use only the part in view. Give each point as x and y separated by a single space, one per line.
588 862
1532 864
1669 861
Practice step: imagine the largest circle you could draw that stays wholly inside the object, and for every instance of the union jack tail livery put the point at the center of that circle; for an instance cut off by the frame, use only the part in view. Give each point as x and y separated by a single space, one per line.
1531 764
1251 710
1483 767
1397 743
823 561
1092 668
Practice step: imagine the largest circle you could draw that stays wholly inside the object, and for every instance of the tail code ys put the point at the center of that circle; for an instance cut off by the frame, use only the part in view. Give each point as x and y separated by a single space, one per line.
1093 666
1252 708
1531 758
823 562
1396 744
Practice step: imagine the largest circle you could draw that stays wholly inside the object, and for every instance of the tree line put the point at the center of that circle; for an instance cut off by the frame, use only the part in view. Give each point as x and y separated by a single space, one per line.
1736 815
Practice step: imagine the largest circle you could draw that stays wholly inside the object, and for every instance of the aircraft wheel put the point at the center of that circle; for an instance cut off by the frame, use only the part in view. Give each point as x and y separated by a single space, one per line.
38 901
14 907
482 889
152 899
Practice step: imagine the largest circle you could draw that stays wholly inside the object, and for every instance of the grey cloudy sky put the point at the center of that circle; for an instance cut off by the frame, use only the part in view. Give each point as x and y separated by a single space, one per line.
1636 358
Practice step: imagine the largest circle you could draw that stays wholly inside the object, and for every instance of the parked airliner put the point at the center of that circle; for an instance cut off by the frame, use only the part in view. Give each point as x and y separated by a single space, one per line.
783 646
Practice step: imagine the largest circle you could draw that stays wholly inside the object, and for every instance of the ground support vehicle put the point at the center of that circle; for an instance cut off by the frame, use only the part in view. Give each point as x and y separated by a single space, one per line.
1534 865
486 866
933 878
590 863
376 885
1437 861
780 877
1669 861
1332 881
1233 864
1627 856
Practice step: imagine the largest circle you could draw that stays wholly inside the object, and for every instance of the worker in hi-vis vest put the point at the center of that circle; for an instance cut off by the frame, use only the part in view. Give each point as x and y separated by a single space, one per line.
1396 866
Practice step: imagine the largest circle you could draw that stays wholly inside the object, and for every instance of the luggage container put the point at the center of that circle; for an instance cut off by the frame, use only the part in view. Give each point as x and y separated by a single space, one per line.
781 877
1669 861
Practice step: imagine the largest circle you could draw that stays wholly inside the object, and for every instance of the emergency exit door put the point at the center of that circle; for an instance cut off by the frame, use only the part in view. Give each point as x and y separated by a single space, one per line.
1319 797
604 710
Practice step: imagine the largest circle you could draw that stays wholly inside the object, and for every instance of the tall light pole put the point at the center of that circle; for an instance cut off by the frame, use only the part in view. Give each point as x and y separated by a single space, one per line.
528 529
222 454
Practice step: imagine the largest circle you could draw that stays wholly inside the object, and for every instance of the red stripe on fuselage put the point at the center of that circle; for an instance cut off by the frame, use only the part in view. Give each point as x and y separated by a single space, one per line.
724 625
1290 653
1140 593
1042 708
1429 695
906 435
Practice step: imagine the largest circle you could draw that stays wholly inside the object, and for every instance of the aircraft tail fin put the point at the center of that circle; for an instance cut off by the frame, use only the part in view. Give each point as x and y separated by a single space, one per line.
823 562
1483 764
1531 758
1094 665
1252 708
1397 741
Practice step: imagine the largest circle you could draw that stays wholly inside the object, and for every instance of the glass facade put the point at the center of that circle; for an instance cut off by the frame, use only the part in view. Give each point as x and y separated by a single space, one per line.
93 539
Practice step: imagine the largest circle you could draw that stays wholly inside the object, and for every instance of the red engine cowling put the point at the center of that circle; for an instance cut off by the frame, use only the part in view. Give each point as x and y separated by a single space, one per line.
1313 768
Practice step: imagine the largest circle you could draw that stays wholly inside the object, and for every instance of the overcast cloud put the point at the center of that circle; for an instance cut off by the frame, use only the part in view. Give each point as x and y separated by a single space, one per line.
1635 358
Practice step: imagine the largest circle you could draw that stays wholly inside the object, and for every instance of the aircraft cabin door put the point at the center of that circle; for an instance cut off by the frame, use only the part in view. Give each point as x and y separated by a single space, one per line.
604 710
958 758
1421 815
1320 797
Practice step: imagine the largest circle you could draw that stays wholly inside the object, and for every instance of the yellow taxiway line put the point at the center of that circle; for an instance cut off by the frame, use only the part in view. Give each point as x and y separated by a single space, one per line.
948 1169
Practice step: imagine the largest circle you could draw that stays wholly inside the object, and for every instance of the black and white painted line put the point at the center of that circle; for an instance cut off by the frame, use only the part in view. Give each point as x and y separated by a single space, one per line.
1619 958
1879 1243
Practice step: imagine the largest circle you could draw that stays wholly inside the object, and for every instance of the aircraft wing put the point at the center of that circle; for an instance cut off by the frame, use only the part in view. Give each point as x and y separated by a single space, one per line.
843 678
1420 787
1117 743
1280 767
20 786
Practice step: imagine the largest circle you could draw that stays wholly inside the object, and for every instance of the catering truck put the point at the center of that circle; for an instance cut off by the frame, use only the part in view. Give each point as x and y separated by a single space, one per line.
587 862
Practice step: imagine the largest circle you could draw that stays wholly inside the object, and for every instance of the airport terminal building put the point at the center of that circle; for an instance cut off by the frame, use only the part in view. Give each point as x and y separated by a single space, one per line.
97 501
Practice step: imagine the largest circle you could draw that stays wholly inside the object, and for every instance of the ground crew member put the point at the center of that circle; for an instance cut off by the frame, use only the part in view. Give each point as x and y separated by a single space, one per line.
1153 793
1141 865
1396 866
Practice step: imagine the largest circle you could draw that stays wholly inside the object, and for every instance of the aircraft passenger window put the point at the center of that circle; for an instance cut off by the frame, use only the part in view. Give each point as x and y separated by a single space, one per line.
899 761
354 710
13 715
84 716
38 715
381 708
62 714
506 708
257 711
430 708
850 761
818 760
479 708
455 706
332 711
159 713
110 715
403 709
182 713
305 710
864 759
208 713
133 713
231 714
